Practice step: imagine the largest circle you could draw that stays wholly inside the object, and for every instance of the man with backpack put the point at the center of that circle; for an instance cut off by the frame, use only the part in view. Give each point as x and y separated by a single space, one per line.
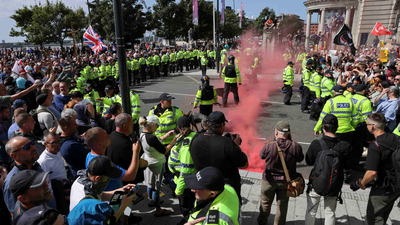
207 96
326 155
383 167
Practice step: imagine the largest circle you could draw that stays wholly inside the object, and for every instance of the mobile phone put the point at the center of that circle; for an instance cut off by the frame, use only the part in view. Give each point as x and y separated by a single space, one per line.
117 197
131 192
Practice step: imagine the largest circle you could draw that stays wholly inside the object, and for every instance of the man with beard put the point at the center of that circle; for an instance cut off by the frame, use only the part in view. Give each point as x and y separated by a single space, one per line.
31 188
24 154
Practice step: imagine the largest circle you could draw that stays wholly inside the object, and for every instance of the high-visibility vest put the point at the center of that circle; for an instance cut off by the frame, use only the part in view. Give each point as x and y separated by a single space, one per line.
180 162
205 102
92 96
179 55
164 59
172 57
306 77
102 72
204 61
156 60
232 74
397 130
348 94
288 76
255 65
227 205
362 108
168 121
317 84
342 108
109 71
327 86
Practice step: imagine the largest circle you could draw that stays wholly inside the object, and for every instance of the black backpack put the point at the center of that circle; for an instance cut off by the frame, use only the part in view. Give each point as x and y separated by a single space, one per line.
207 93
37 131
327 176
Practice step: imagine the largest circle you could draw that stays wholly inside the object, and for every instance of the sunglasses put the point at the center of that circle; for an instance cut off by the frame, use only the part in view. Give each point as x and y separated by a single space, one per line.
54 142
397 79
26 147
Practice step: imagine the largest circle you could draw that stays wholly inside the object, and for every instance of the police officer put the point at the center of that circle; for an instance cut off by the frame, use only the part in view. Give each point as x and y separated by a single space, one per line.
348 93
102 78
92 95
224 207
204 63
149 65
206 95
142 63
135 69
164 61
231 76
179 56
305 98
342 108
180 163
172 61
315 93
187 58
288 77
327 83
362 108
156 59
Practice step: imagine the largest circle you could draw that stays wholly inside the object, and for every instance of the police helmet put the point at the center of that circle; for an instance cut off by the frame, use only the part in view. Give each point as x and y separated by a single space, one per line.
231 59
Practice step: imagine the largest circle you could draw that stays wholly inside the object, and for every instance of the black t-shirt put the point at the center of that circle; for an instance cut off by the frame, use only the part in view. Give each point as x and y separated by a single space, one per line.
315 147
109 126
380 160
5 216
212 149
120 150
153 141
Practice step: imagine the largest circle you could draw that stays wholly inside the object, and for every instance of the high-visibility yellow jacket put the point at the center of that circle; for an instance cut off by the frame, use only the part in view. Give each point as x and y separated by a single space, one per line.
327 86
288 76
199 96
231 74
362 108
168 120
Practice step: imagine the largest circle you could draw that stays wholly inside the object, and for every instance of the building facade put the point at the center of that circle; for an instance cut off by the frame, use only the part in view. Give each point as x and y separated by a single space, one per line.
359 15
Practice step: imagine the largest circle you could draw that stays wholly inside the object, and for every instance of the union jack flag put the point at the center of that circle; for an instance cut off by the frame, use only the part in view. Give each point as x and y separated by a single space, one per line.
92 39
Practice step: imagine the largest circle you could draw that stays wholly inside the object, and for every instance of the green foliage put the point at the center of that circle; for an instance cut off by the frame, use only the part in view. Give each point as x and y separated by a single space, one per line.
47 23
230 28
136 21
290 25
263 17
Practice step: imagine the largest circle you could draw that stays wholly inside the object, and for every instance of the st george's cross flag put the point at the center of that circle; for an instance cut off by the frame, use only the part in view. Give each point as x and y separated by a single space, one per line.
92 39
344 37
379 29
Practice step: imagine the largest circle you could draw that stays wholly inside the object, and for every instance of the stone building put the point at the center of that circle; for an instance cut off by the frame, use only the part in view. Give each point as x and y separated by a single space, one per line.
359 15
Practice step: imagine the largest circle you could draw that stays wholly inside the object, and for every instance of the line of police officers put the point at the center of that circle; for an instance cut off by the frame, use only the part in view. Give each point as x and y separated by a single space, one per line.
321 96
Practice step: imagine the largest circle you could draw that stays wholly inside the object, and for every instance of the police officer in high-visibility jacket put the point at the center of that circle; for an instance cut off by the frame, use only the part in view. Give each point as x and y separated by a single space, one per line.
179 56
231 76
315 88
288 77
204 62
142 63
172 61
209 186
207 96
164 62
350 90
362 108
168 116
254 69
342 108
327 83
92 95
305 98
180 163
156 59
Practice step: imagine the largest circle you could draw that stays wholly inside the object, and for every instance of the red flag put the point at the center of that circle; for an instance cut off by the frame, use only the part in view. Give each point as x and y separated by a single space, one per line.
379 29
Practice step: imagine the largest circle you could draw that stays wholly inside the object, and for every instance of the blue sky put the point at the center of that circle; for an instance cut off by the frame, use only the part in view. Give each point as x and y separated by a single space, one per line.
251 7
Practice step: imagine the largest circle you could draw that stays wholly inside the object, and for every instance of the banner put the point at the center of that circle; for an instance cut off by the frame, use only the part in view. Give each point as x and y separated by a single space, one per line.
379 29
223 12
344 37
382 44
241 14
195 13
383 55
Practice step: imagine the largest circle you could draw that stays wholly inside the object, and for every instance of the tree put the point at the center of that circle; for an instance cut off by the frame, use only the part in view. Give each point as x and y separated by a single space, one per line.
230 28
290 25
47 23
263 17
136 20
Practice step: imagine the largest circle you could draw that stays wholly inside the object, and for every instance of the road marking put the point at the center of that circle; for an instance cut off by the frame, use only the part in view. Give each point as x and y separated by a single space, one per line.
160 92
280 103
193 79
303 143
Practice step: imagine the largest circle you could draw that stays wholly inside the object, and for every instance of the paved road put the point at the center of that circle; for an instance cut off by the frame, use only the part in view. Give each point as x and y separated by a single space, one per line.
260 109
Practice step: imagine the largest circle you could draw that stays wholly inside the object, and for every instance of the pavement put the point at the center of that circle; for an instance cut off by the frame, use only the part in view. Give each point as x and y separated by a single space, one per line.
183 86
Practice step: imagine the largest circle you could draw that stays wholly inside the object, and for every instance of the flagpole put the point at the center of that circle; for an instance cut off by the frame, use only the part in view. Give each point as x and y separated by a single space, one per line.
119 28
217 51
90 19
214 24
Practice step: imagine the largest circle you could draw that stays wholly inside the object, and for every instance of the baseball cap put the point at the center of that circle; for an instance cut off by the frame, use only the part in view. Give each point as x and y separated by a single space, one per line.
210 178
338 89
102 166
18 103
76 94
282 126
37 215
152 120
27 179
290 63
361 87
88 85
330 119
108 88
309 62
217 117
183 122
40 99
381 77
166 96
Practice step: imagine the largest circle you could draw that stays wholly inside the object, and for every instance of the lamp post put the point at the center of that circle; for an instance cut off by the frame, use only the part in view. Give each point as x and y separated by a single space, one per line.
217 37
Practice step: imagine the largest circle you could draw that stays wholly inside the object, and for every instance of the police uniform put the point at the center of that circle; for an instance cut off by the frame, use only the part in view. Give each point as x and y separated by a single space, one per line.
342 108
206 95
179 56
231 76
164 61
156 65
315 92
92 95
305 98
288 77
204 63
172 65
142 63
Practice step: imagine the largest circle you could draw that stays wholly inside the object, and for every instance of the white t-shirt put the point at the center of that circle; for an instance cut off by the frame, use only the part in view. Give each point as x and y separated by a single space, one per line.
76 195
53 162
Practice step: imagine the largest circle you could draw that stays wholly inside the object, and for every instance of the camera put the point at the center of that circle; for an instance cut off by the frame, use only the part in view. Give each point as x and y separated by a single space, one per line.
233 137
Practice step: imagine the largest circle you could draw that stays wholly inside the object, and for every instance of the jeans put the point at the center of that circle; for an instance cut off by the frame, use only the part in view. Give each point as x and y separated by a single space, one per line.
154 195
268 192
313 200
